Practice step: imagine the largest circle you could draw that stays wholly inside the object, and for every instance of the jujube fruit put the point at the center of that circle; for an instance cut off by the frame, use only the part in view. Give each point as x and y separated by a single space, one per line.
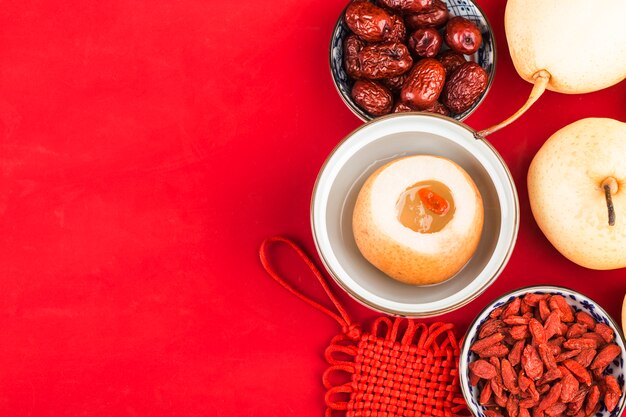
462 35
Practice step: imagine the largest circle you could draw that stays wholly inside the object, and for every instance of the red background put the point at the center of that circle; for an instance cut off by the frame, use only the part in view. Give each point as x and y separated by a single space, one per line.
146 149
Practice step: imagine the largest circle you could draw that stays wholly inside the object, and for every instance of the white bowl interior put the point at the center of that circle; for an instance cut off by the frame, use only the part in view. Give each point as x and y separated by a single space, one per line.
576 300
362 153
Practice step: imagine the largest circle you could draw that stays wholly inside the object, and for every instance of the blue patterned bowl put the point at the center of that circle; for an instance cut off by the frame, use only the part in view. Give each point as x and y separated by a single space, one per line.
580 303
485 56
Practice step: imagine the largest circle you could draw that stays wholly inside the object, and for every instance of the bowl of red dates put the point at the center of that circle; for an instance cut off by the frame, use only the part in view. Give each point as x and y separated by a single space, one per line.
543 351
391 56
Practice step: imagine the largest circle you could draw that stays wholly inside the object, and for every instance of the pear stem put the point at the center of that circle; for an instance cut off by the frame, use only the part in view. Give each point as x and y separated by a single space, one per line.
540 82
610 186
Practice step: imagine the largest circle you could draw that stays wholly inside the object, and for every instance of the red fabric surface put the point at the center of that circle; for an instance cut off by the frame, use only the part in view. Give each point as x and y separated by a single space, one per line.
146 149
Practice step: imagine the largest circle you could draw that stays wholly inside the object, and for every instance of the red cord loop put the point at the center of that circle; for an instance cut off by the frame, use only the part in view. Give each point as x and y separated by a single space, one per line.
343 318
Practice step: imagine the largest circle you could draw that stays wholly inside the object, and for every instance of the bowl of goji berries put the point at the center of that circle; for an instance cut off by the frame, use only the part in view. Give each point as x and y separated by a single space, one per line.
543 351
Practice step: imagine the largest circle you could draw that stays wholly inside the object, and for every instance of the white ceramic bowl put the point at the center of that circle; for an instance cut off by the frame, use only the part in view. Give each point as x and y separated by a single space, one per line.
371 146
577 300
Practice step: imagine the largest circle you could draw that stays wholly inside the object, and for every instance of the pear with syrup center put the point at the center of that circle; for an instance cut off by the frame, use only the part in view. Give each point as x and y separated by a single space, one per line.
577 192
567 46
418 219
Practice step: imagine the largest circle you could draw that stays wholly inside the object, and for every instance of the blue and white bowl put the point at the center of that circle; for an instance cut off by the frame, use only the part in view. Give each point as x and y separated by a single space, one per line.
485 56
578 302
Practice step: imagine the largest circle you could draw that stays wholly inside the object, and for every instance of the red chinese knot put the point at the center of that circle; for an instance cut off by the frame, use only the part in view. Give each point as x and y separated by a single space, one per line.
402 367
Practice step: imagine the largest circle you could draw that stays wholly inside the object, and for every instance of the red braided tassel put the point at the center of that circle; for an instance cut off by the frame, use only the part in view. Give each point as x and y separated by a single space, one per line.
401 368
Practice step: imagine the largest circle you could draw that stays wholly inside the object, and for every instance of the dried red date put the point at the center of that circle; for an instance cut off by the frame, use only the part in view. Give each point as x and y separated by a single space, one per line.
411 6
434 17
462 35
400 107
464 87
425 42
397 30
351 48
372 97
368 21
384 60
394 83
438 108
424 84
451 61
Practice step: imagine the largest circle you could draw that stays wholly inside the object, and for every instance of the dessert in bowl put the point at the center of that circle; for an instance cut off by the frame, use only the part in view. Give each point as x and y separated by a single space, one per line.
378 143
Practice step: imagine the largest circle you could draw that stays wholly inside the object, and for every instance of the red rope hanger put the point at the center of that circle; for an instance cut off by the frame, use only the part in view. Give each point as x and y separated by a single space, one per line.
401 367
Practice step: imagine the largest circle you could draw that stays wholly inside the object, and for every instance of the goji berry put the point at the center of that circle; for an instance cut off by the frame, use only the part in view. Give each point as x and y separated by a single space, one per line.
586 320
552 397
579 372
569 388
512 309
585 357
536 330
483 369
605 331
486 342
592 400
606 356
558 303
613 393
515 355
576 330
531 362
